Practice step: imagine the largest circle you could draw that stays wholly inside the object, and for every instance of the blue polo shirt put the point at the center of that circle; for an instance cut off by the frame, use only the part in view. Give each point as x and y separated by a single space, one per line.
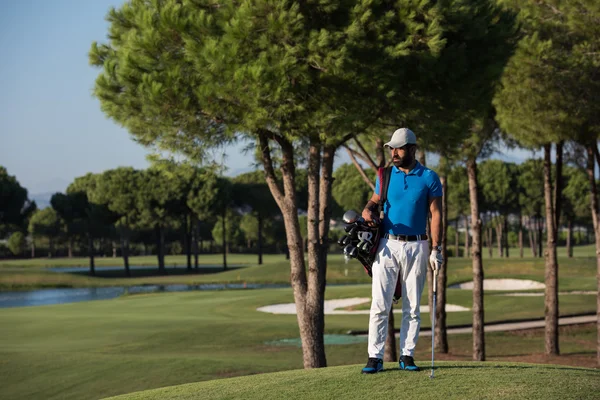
407 206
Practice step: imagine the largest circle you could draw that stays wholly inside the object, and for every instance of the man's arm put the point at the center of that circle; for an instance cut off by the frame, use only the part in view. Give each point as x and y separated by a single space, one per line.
371 208
435 207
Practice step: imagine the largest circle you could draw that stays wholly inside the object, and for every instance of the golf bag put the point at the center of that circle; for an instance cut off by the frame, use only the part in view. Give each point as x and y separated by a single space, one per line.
361 240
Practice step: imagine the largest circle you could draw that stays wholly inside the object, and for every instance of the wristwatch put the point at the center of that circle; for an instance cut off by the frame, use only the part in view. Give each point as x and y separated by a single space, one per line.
438 248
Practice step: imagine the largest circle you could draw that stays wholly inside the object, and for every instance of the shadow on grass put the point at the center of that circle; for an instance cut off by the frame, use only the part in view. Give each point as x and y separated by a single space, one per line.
153 271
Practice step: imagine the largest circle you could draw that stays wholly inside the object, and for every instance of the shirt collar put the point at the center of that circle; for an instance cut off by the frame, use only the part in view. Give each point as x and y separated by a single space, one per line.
413 171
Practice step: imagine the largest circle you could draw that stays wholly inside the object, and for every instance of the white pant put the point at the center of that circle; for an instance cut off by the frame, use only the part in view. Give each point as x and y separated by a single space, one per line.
407 260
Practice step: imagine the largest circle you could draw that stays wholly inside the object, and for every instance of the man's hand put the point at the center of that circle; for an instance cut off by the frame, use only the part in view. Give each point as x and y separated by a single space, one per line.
436 259
367 215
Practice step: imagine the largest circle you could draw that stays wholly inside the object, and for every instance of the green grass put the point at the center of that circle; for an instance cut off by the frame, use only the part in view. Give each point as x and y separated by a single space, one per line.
453 381
170 261
138 342
584 251
576 273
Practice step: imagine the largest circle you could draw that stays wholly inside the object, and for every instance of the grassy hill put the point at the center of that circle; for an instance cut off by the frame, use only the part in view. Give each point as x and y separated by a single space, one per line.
467 380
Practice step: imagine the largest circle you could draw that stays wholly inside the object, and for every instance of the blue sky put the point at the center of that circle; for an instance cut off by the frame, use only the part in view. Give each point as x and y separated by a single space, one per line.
51 128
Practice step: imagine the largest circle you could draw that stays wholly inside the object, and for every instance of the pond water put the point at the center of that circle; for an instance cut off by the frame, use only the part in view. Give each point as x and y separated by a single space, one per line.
85 270
73 295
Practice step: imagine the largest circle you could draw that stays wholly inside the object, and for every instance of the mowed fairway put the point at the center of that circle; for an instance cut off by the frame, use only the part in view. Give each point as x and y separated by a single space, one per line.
103 348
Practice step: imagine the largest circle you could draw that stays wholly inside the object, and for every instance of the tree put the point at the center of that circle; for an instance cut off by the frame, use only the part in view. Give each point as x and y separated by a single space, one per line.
349 189
498 188
250 230
233 234
250 190
484 133
15 207
157 201
291 76
458 203
117 189
550 94
531 200
195 194
94 220
16 243
576 204
71 212
45 223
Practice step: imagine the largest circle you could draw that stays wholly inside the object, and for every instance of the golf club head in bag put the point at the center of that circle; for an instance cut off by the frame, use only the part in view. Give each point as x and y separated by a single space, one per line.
361 240
350 217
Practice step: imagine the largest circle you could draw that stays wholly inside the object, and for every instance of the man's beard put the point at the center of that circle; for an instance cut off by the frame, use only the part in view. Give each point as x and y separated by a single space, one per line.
403 162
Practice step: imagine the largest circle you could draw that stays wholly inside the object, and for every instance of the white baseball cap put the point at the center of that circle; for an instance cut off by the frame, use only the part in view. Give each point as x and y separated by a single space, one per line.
402 137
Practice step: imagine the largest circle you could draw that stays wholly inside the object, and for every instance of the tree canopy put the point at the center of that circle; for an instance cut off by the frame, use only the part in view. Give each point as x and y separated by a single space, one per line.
15 206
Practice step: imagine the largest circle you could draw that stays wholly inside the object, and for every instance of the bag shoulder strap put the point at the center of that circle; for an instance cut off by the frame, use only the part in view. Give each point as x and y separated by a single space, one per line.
384 181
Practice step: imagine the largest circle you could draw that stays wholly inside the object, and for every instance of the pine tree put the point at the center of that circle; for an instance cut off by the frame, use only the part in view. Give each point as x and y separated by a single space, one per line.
295 78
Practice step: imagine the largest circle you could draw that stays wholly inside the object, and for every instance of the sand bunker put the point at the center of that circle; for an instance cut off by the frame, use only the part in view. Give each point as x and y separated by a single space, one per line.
502 284
332 306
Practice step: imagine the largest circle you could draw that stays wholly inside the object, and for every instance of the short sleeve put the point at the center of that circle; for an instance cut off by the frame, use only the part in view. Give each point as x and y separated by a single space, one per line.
435 186
377 185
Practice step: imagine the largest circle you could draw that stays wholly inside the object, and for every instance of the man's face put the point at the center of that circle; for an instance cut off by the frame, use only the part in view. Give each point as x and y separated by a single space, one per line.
403 157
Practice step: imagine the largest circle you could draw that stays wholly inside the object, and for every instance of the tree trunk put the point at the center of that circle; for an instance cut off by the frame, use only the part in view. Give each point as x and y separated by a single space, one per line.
590 169
260 239
308 293
540 236
551 273
569 238
558 187
70 248
520 235
499 237
91 254
196 238
390 353
456 239
224 238
506 236
441 337
125 249
532 243
187 240
32 247
490 241
314 239
51 247
160 248
380 152
478 314
467 229
587 235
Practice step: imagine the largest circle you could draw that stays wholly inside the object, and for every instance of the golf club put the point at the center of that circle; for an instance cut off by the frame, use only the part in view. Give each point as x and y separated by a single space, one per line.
435 272
350 216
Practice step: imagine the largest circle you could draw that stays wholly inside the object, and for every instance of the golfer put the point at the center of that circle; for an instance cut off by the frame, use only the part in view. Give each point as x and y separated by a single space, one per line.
403 251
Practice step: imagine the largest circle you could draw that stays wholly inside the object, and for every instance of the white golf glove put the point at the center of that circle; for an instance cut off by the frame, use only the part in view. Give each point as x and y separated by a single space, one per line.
436 259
